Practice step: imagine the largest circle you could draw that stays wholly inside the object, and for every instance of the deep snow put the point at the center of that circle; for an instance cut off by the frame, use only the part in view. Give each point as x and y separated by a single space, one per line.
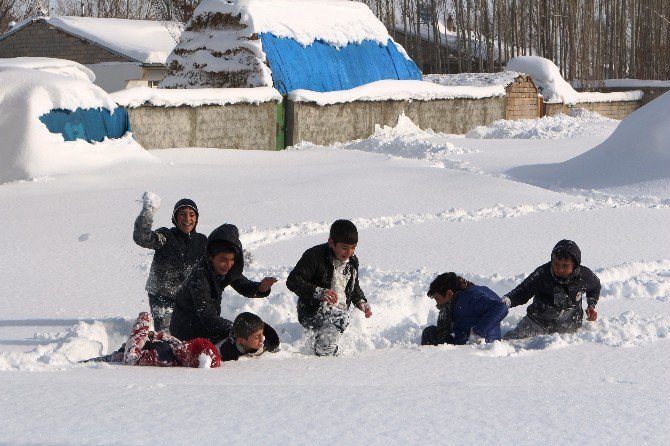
424 203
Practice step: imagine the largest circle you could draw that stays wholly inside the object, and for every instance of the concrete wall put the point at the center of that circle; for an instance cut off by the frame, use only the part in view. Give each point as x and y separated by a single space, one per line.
613 110
38 39
354 120
650 93
234 126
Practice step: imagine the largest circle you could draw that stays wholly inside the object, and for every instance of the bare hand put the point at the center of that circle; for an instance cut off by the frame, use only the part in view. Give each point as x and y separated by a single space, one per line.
266 284
591 313
365 308
329 296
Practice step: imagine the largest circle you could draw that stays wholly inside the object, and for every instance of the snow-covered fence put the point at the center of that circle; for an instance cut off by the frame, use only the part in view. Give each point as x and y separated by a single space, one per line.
231 118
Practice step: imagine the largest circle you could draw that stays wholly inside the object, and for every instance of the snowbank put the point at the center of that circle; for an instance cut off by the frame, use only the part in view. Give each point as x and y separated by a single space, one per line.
636 152
395 90
136 97
29 149
503 78
50 65
555 89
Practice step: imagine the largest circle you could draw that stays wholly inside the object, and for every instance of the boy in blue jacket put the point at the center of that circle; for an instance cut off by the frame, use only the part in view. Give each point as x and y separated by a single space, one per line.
467 312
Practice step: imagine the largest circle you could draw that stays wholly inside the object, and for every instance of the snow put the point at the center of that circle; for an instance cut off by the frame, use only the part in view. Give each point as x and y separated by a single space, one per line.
115 76
50 65
138 96
547 77
396 90
636 152
425 203
29 150
503 78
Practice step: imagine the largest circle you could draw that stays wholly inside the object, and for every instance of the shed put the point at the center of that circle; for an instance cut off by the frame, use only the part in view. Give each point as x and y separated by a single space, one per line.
122 53
324 45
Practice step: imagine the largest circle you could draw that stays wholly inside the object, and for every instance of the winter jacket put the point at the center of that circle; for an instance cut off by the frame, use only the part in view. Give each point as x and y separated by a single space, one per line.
198 303
557 302
479 310
176 254
314 271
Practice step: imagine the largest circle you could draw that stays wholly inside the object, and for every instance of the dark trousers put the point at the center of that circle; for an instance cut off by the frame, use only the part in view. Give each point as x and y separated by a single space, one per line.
161 311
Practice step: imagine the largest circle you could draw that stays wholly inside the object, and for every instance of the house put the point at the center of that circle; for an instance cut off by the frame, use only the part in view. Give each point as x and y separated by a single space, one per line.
287 44
122 53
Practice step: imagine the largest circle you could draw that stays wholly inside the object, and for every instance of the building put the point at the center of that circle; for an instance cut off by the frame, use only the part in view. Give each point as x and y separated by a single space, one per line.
122 53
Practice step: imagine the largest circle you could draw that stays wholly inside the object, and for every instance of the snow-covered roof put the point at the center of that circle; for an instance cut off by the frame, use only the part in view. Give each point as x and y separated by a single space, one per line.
336 22
65 67
503 78
555 89
145 41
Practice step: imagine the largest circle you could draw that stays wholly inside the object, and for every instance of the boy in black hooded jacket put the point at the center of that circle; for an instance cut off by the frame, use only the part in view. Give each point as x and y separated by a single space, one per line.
197 311
558 289
177 250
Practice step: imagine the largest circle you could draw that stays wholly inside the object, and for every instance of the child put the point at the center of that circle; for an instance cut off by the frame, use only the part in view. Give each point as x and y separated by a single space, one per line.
476 312
250 337
326 282
146 347
557 289
177 251
198 304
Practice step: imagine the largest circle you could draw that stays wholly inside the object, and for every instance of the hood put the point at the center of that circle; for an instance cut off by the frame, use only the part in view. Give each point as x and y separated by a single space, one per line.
229 233
571 248
185 203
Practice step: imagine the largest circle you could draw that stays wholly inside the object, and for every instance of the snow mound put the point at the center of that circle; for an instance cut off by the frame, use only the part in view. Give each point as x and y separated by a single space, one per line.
636 152
65 67
32 151
503 78
555 89
576 123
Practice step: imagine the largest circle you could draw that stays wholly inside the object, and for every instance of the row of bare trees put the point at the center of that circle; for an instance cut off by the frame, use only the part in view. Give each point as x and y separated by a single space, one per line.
587 39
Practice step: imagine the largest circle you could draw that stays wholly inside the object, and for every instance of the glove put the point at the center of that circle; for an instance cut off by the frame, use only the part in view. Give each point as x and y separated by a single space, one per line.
507 301
591 313
150 202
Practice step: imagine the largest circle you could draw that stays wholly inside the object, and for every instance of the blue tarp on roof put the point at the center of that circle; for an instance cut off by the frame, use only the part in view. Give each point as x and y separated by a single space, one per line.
90 124
323 67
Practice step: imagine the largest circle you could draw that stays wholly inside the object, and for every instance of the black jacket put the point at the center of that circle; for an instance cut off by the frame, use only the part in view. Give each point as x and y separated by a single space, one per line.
557 302
176 254
315 270
230 352
198 305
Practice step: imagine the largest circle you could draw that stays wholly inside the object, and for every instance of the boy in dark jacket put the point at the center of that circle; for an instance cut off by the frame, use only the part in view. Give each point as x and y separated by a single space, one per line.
177 251
326 282
250 337
558 289
476 312
197 311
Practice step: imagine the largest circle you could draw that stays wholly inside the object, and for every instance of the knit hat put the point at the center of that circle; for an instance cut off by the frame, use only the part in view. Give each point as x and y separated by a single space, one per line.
185 203
569 247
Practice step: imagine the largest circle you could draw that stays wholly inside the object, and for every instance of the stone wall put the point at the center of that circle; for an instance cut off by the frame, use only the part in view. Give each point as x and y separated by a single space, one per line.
234 126
38 39
328 124
523 101
613 110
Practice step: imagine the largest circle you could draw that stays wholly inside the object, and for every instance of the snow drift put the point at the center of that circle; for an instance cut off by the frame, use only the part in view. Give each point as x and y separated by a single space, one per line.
636 152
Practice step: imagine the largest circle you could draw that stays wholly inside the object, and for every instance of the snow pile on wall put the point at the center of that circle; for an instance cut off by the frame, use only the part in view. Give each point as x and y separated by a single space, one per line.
222 44
29 150
636 152
555 89
138 96
50 65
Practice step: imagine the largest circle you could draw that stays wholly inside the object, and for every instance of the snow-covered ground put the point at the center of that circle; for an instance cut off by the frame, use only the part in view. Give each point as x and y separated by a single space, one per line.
425 203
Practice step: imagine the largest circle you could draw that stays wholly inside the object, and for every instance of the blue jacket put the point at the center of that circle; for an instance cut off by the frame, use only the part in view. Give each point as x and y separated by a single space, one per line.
479 309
